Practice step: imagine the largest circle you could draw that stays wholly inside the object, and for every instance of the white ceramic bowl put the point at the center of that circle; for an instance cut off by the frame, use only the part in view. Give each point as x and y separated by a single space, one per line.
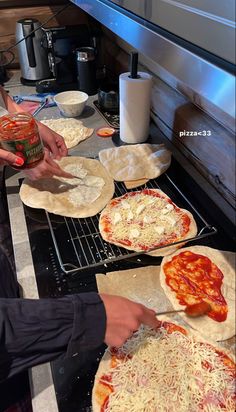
71 103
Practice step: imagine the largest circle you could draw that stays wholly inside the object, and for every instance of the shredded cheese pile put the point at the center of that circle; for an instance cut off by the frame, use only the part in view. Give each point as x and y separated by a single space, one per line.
145 219
166 373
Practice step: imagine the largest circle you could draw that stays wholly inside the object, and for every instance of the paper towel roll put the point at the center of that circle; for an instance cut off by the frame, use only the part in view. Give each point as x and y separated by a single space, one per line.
135 102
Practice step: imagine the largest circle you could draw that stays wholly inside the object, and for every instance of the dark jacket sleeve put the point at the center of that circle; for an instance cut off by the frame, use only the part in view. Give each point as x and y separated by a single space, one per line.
37 331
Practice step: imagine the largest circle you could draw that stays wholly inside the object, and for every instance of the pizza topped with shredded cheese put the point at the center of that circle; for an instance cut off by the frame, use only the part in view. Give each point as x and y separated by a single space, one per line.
165 370
144 220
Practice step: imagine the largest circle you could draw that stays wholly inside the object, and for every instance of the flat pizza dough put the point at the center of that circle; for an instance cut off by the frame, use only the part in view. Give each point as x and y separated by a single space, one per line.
179 387
143 220
135 162
79 197
72 130
225 261
132 184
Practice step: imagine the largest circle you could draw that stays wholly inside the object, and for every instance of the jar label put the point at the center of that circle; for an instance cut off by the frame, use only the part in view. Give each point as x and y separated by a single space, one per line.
30 149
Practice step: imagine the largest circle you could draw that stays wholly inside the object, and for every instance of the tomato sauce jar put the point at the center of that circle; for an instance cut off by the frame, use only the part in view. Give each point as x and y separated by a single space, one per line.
19 134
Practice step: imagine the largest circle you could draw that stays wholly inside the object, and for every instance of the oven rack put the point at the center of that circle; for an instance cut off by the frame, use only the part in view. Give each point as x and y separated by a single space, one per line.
79 245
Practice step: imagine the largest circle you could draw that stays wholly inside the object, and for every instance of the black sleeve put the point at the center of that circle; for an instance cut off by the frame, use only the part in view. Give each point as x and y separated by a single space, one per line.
37 331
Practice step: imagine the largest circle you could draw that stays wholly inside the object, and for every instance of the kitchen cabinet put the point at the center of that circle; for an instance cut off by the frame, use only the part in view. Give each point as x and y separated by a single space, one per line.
208 24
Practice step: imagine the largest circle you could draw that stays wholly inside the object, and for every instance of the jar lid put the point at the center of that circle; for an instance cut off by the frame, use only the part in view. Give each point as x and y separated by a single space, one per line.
105 131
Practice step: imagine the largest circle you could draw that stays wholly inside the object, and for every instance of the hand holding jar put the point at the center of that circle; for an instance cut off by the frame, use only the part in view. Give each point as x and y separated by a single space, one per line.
22 147
46 169
19 135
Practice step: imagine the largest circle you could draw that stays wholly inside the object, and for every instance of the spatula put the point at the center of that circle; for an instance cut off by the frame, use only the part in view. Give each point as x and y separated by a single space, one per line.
193 311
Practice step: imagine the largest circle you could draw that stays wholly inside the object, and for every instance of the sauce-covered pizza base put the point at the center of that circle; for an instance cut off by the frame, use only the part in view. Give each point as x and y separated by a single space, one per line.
202 274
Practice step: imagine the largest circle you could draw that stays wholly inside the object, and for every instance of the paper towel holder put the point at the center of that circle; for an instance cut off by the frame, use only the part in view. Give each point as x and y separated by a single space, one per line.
135 97
134 65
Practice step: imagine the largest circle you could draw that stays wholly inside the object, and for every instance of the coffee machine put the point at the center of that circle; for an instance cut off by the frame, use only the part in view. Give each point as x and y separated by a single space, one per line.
60 44
33 57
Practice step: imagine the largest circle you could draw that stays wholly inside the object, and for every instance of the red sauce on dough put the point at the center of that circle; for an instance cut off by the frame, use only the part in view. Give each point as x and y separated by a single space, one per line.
108 385
194 279
106 380
118 355
105 404
224 358
106 222
125 242
171 327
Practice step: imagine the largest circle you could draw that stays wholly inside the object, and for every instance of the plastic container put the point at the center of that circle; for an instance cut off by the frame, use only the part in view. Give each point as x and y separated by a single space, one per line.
19 134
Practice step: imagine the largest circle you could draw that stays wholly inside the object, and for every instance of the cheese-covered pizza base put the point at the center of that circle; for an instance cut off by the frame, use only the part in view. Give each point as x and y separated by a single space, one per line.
165 370
72 130
145 220
225 262
79 197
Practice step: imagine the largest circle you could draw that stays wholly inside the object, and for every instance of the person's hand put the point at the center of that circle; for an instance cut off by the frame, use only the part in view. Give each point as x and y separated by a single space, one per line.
8 158
46 168
53 141
124 317
11 106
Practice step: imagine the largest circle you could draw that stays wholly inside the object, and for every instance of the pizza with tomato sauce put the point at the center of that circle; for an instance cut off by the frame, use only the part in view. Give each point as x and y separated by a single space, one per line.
166 370
201 274
145 220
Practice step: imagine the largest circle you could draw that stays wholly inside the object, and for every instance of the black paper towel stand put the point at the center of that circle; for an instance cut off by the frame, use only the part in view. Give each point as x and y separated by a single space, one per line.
134 65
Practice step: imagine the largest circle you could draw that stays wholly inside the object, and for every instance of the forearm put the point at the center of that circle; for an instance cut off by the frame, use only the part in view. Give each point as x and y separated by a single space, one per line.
37 331
11 106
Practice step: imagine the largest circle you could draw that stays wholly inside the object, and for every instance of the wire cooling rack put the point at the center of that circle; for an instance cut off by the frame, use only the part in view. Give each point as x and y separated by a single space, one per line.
78 242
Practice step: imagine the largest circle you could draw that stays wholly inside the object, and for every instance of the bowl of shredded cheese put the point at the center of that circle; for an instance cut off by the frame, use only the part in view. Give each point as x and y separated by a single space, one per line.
71 103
